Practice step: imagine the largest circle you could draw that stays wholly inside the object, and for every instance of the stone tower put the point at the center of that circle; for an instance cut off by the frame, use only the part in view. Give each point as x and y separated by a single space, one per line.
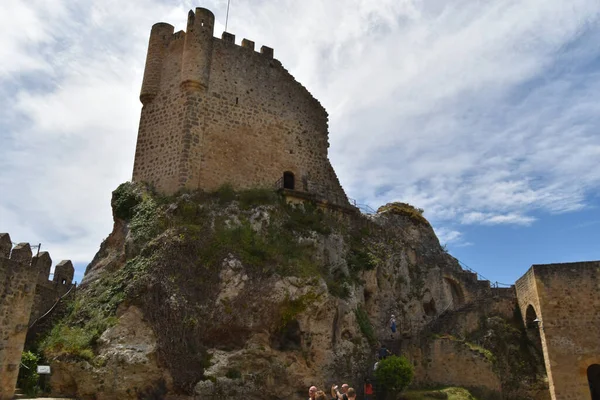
216 113
560 305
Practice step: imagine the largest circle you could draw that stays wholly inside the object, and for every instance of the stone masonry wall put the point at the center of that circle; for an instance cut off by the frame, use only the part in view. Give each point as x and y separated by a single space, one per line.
566 298
217 113
47 291
18 278
24 293
445 361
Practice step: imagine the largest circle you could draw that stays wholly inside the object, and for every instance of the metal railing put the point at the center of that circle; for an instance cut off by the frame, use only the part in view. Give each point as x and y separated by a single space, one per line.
73 286
480 277
38 246
323 194
364 208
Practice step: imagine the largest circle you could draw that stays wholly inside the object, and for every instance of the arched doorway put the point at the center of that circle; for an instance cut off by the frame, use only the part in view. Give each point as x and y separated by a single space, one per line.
532 328
593 375
288 180
531 318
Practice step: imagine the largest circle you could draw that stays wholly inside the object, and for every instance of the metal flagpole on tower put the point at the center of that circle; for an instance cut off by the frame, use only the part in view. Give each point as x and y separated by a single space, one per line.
227 16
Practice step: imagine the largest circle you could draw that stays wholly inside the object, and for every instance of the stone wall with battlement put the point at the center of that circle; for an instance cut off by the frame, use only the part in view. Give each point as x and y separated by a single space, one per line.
218 113
565 299
25 293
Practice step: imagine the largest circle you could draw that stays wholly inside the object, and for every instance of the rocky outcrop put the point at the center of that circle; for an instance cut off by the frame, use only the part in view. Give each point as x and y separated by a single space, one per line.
220 295
126 362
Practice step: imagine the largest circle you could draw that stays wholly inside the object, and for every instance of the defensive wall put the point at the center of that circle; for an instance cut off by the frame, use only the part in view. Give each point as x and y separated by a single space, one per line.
217 113
25 294
560 304
439 352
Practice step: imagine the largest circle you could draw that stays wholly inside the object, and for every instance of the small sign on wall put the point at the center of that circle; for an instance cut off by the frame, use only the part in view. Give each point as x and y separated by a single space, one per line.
43 369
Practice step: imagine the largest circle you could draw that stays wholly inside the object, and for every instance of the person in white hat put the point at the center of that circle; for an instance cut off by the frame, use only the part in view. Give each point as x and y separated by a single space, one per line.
393 325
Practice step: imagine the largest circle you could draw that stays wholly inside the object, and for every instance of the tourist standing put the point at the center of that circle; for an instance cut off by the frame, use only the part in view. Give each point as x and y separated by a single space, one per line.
368 389
336 394
351 394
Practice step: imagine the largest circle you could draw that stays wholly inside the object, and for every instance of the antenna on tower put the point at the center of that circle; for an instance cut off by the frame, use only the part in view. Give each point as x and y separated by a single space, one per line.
227 16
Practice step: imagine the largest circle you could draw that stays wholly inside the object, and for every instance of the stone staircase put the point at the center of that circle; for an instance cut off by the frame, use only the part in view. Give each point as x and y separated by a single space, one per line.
393 345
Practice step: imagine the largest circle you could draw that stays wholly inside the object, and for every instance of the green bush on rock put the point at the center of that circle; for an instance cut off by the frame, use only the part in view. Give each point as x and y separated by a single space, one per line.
124 199
394 374
406 210
362 318
70 341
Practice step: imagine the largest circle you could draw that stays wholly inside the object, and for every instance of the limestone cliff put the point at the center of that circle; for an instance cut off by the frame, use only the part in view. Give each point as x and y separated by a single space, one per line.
214 295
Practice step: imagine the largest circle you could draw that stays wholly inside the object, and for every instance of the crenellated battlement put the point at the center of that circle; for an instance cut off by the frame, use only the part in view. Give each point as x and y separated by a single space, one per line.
22 253
25 291
265 51
217 112
196 55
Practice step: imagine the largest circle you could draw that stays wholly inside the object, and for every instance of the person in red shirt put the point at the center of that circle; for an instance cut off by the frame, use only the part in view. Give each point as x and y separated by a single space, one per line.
368 389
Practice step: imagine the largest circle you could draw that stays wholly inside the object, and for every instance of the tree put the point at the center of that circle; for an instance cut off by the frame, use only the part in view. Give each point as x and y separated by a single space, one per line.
394 374
28 377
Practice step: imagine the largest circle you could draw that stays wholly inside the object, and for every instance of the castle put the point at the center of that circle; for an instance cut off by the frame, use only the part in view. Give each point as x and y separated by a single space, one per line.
215 113
26 295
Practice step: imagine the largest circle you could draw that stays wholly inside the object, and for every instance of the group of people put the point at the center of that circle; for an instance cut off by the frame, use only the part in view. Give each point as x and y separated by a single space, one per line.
346 393
343 393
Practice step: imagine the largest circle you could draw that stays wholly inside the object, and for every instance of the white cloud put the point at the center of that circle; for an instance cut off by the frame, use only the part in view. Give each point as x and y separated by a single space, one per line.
496 219
23 29
448 235
479 112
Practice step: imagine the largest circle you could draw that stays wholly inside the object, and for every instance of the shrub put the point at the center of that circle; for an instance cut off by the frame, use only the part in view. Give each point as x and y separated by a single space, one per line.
360 259
394 373
225 194
233 373
146 221
306 218
273 251
69 341
124 199
365 325
406 210
28 376
338 287
255 197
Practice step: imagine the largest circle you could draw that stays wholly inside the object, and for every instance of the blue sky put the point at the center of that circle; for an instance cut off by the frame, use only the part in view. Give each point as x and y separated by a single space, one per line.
483 113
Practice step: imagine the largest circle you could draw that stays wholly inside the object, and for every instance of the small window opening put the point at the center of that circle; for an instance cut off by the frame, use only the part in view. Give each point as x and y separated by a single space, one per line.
288 180
64 281
236 101
202 23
